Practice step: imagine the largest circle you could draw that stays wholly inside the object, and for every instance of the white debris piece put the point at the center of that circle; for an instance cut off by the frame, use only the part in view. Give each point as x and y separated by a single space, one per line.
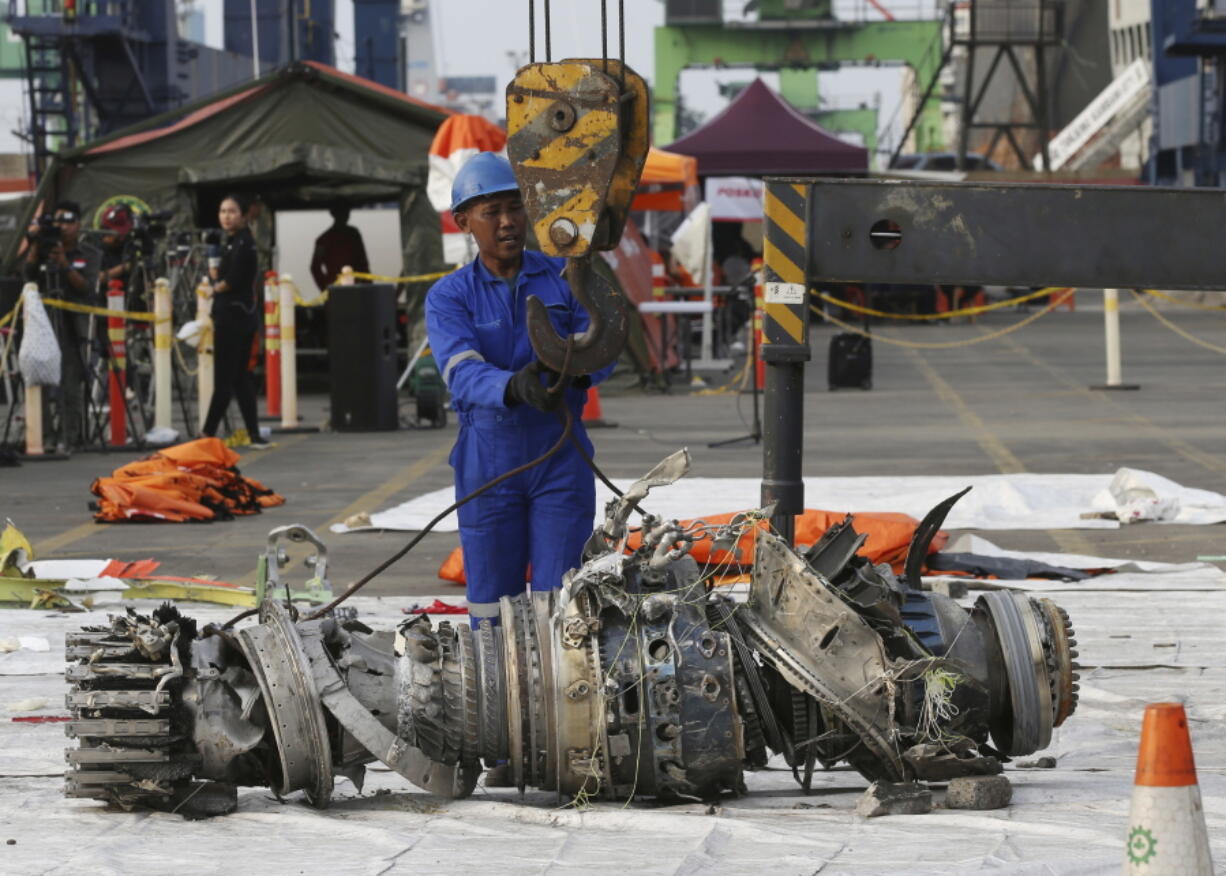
91 585
29 643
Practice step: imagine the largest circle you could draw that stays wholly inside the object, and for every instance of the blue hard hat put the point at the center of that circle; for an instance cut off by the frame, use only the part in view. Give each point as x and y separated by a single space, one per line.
484 174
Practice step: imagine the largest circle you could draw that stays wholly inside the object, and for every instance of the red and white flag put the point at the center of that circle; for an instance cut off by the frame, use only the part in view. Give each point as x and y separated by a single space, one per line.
458 139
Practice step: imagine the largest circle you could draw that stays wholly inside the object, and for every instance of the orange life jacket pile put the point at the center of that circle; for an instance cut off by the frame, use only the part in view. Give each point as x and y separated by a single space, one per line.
197 480
889 536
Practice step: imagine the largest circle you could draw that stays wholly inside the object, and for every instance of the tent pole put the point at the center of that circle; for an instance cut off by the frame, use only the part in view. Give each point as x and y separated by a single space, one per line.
708 281
255 43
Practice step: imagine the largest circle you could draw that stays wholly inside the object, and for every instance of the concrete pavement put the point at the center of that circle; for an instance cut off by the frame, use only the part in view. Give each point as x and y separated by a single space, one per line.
1016 403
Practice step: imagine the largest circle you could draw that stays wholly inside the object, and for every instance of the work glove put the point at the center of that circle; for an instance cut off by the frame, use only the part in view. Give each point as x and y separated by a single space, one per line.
525 387
578 381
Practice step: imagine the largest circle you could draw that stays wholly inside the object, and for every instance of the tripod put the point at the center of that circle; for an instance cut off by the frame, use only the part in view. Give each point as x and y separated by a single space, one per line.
755 433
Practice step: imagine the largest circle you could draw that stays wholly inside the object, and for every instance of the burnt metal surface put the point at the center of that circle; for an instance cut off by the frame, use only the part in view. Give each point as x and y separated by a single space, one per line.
274 652
800 626
911 232
634 680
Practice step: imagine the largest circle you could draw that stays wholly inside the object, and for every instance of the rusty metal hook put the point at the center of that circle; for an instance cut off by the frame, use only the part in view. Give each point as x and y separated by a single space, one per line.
605 336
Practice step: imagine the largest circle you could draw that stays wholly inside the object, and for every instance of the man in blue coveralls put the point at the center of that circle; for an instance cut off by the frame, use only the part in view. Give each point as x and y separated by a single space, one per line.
476 319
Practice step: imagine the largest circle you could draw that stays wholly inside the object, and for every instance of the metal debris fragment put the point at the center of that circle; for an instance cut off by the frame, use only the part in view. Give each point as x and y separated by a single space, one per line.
636 679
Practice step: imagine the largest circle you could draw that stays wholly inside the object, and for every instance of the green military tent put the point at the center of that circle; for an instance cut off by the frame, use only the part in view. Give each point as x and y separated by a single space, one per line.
303 136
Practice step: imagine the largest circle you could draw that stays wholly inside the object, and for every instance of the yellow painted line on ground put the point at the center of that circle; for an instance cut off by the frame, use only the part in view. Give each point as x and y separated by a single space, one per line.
45 548
1173 442
283 442
401 480
1002 457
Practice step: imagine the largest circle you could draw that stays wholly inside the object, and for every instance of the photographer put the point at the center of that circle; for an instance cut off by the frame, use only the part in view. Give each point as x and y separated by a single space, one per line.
65 268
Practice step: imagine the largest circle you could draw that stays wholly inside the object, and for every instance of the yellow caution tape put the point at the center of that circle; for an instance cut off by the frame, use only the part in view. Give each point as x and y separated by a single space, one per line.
965 311
1176 329
736 384
11 315
358 275
419 278
299 300
946 345
135 315
1173 300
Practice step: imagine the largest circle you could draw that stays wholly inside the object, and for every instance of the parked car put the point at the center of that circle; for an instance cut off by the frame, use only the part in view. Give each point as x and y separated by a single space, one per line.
942 161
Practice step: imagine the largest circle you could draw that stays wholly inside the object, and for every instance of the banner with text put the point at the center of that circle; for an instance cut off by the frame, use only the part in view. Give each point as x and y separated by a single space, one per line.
734 198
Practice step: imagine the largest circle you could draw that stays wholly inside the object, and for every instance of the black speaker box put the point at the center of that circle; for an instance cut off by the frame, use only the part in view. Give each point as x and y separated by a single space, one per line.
10 292
362 357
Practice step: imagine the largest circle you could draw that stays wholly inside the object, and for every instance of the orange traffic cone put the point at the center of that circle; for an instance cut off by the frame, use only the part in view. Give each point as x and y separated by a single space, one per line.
593 415
1166 828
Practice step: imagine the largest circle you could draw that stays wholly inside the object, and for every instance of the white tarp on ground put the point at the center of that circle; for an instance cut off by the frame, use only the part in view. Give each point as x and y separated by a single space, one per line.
1003 501
1136 647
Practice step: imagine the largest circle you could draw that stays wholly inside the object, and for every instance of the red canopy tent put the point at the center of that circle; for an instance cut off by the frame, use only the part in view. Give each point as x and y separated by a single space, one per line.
760 133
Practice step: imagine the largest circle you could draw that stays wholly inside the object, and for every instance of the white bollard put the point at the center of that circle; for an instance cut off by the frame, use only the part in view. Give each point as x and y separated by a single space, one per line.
289 356
34 398
204 351
346 277
162 339
34 420
1111 327
1111 330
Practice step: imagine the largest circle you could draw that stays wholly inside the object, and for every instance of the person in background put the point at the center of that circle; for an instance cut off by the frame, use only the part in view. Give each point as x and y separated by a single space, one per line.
476 320
337 247
65 267
116 224
235 321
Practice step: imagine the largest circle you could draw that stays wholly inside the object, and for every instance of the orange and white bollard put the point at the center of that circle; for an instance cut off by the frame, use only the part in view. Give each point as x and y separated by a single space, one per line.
659 276
289 354
117 374
162 339
204 351
1166 827
272 344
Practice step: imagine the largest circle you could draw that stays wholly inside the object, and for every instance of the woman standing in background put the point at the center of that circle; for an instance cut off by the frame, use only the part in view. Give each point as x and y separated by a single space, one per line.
235 320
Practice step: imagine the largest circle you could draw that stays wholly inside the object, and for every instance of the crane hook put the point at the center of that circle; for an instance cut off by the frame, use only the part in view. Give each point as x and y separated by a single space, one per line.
601 342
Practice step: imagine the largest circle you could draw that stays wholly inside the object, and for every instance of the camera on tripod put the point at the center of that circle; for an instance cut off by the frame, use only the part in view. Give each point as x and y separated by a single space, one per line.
46 234
147 229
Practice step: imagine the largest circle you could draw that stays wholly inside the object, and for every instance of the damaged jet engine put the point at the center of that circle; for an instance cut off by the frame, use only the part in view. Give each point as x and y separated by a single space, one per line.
636 679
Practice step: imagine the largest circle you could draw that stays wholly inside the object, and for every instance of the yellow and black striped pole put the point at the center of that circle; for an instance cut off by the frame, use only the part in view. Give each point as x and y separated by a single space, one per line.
785 350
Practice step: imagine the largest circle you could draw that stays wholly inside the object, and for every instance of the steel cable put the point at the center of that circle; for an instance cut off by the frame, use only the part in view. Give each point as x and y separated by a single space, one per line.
604 35
548 35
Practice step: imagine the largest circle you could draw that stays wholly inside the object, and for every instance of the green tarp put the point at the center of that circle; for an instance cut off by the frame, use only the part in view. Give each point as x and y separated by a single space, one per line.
303 136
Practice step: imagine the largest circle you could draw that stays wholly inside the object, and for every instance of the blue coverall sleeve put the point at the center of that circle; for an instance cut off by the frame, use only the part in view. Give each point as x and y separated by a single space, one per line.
457 350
